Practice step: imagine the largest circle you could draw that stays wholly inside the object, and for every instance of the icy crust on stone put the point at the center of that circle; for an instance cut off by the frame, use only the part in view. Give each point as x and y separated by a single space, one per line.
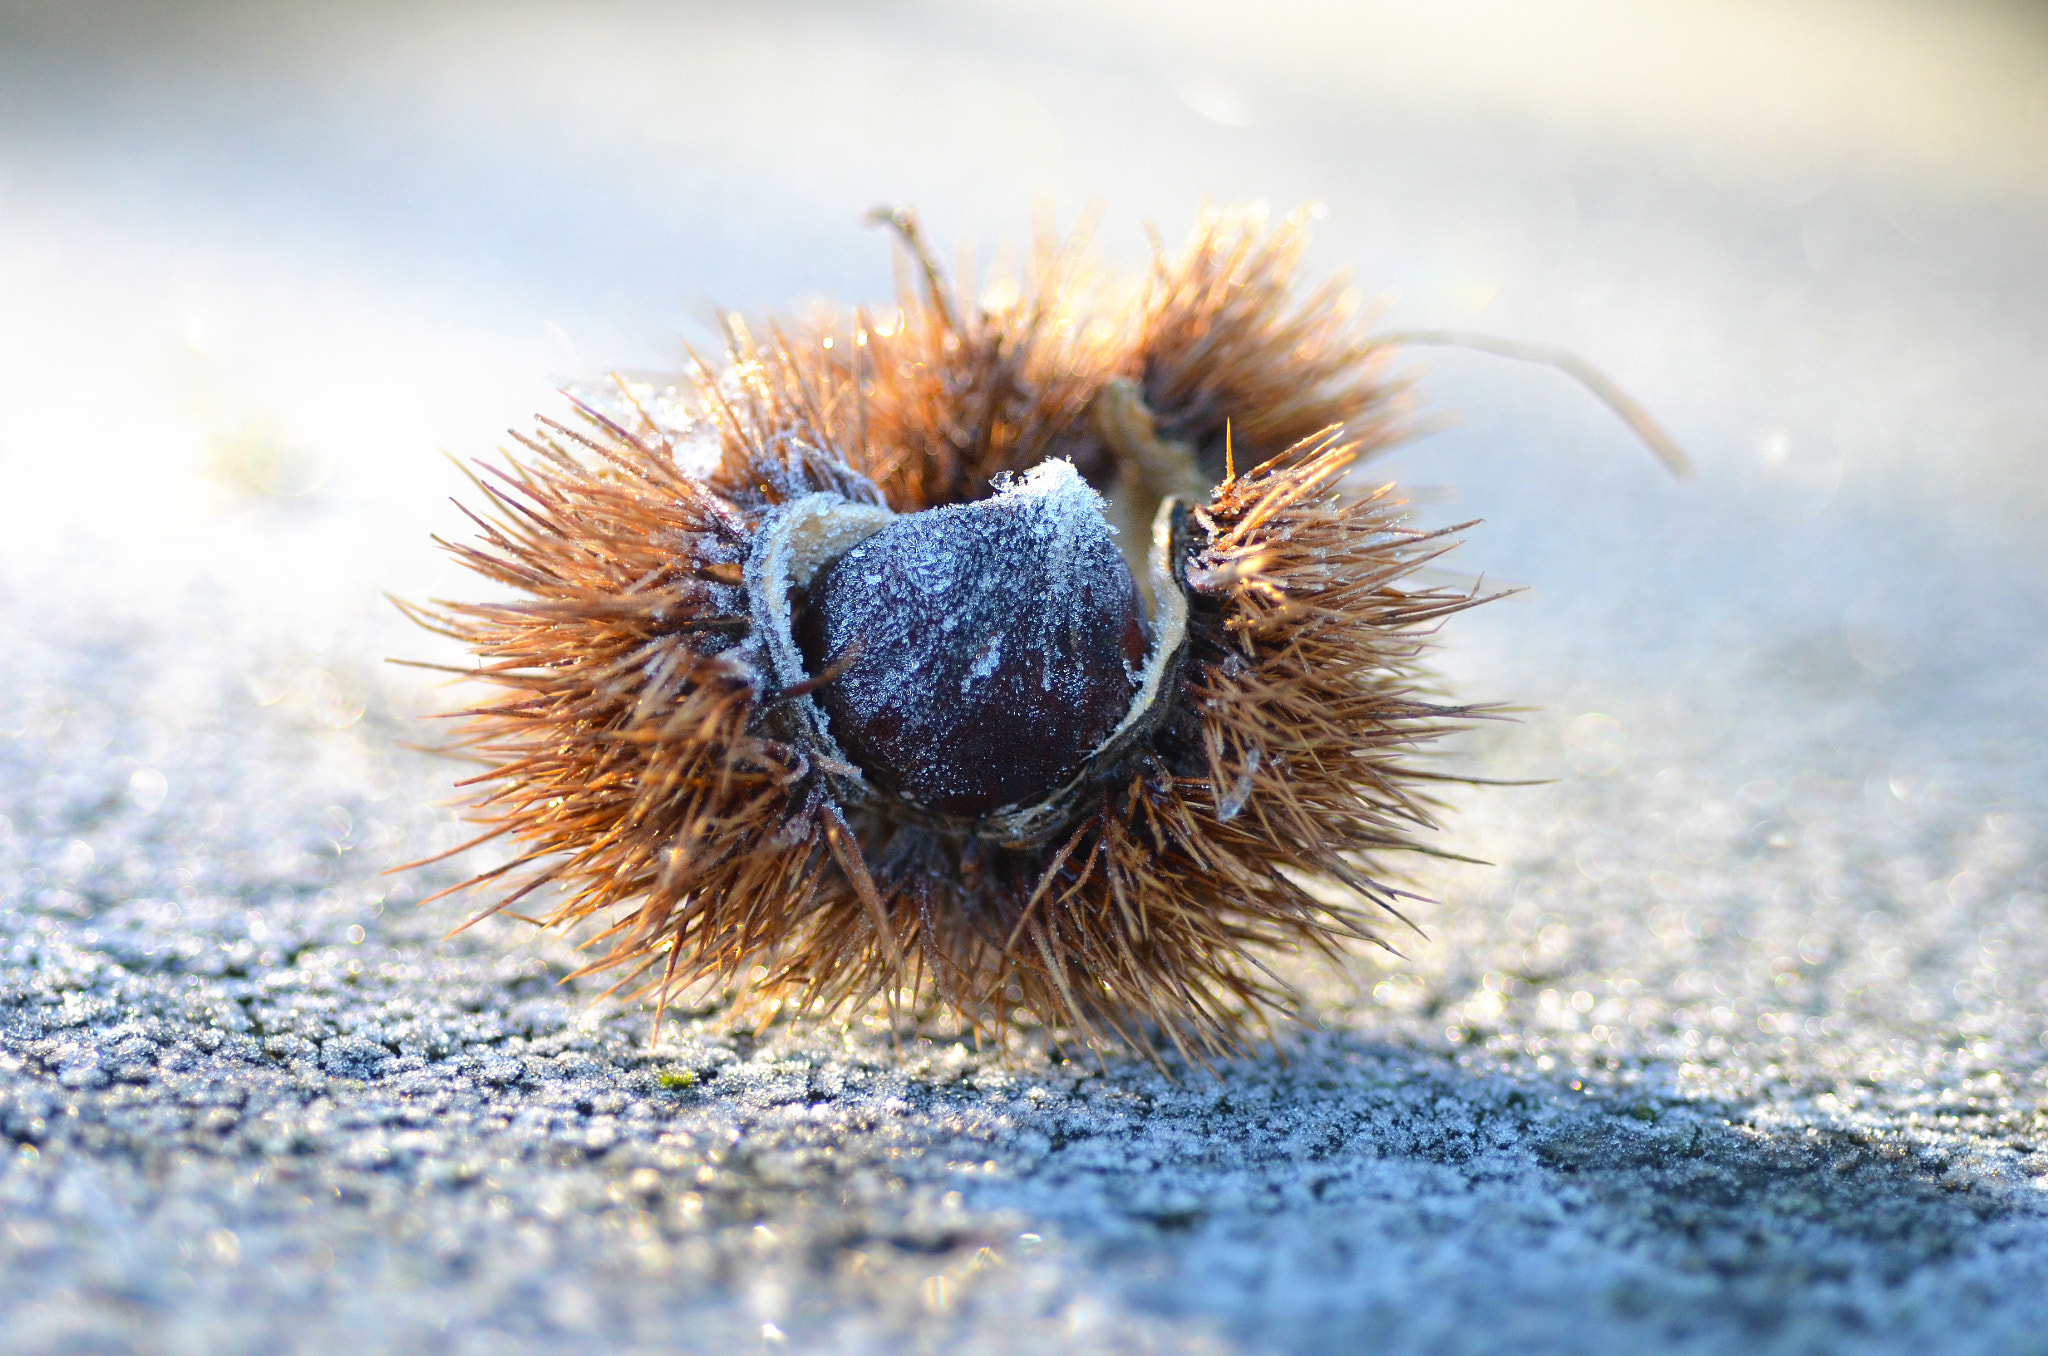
982 650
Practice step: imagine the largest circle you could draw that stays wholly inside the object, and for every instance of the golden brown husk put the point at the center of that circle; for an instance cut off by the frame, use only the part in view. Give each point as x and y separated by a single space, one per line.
627 755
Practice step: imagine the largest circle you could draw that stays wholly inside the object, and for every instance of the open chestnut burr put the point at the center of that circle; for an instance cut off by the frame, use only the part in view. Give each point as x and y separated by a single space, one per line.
1029 657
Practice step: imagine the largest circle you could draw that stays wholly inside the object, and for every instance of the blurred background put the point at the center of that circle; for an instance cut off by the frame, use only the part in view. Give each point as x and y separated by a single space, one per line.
263 261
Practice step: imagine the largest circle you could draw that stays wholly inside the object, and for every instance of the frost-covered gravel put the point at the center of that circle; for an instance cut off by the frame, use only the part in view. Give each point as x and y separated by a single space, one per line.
1742 1075
1737 1046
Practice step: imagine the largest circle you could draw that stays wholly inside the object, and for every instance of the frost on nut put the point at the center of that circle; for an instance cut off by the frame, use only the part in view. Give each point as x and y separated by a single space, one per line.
979 652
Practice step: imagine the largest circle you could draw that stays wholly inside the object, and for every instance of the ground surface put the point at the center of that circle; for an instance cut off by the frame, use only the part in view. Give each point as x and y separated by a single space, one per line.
1738 1045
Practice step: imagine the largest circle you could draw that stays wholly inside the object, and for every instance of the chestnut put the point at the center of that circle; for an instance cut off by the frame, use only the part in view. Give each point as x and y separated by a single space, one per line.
789 704
970 658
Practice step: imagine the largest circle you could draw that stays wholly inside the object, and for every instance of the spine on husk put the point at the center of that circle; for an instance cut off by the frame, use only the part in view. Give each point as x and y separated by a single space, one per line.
644 753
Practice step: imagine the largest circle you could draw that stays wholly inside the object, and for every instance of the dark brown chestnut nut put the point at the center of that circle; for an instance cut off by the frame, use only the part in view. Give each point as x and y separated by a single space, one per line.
970 658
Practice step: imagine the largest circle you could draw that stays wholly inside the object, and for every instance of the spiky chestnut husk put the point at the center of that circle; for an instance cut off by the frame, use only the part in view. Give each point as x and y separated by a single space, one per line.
661 760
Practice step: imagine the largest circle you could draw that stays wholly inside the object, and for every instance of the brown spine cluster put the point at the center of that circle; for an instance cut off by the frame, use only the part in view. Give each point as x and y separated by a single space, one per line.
635 757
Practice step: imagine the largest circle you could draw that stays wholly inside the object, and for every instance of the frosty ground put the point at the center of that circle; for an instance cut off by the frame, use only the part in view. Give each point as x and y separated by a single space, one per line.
1758 1071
